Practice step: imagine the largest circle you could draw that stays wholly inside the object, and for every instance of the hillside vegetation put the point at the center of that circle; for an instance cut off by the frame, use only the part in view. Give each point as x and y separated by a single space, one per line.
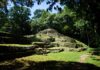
66 35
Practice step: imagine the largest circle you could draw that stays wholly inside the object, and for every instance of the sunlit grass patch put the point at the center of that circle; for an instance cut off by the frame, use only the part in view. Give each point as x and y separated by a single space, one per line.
94 60
16 45
62 56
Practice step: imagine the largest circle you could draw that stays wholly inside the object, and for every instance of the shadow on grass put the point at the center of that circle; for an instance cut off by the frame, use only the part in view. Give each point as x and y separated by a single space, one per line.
97 58
50 65
14 55
7 52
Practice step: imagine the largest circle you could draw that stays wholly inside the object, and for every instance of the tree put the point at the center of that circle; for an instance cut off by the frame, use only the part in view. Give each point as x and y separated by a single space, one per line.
3 18
89 11
19 18
85 10
39 20
38 13
29 3
3 21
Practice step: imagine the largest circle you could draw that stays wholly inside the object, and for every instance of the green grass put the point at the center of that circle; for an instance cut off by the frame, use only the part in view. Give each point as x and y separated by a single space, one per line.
16 45
62 56
94 60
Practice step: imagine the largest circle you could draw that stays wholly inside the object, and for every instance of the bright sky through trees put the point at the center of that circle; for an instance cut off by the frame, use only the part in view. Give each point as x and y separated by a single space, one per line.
43 5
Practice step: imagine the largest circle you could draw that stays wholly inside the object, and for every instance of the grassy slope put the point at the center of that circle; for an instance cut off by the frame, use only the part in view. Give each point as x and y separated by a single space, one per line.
62 56
94 60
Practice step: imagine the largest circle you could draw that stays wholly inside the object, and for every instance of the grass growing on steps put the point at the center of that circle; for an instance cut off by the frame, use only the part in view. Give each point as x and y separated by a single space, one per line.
82 44
16 45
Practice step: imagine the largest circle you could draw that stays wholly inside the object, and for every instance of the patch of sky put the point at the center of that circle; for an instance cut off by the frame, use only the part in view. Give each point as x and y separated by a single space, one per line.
43 5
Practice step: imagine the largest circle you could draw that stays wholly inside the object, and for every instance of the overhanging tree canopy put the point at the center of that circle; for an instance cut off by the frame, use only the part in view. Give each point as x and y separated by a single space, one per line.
87 10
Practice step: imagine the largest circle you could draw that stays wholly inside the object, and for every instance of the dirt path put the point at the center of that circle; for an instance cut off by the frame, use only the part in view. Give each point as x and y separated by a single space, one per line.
83 58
